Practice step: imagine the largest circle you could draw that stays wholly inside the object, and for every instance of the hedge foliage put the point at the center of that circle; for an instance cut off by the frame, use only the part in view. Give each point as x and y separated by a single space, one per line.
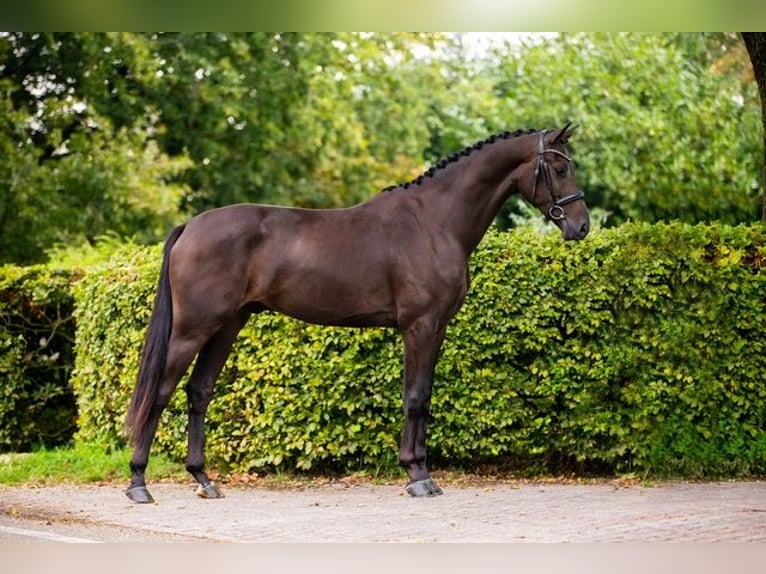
639 349
36 357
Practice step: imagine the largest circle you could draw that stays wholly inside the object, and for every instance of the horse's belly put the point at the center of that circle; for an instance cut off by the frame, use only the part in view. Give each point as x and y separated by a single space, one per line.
338 314
334 319
336 300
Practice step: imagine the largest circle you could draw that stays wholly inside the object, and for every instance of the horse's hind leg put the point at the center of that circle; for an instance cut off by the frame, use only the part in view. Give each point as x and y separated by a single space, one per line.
199 390
180 355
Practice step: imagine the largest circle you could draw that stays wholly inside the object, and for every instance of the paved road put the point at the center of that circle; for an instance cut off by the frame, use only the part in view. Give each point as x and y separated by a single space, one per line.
339 512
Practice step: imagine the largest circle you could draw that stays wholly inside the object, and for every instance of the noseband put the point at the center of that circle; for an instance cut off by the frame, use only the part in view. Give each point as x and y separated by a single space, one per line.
555 211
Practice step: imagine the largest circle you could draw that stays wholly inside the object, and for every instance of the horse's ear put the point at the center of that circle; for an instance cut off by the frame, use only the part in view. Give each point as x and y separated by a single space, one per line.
564 135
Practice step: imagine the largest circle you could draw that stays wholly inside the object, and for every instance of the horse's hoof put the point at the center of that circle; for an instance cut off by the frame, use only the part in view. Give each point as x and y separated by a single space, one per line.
139 494
210 490
421 488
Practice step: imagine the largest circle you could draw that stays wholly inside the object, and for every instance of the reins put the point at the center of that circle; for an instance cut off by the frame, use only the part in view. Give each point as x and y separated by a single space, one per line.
555 209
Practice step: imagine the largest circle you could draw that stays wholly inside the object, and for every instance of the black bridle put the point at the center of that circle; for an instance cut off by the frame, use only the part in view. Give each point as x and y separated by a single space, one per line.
555 209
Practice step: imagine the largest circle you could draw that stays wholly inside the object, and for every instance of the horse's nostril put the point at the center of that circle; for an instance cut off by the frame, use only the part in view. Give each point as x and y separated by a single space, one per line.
584 229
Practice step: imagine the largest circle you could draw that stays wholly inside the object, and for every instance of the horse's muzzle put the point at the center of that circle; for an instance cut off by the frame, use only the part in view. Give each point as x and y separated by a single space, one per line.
573 230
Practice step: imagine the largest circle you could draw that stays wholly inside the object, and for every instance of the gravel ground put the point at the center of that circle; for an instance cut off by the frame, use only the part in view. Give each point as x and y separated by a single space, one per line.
342 512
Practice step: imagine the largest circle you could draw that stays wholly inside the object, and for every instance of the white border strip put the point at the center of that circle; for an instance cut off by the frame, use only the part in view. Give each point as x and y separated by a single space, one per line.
52 536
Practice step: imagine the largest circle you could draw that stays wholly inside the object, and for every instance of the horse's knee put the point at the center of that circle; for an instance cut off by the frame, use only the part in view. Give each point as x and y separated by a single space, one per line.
417 404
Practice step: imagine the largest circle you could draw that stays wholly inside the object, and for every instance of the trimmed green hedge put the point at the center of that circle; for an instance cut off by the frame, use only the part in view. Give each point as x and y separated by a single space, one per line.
639 349
37 406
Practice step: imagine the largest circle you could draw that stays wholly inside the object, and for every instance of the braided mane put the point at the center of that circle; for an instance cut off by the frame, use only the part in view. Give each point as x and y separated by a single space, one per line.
466 151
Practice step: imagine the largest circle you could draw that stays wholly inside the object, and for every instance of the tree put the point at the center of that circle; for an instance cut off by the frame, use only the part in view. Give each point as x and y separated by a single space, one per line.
129 133
663 135
755 42
77 160
310 119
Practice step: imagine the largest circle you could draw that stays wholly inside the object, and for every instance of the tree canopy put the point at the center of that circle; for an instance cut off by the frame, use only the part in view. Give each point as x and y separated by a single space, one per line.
128 134
755 43
664 134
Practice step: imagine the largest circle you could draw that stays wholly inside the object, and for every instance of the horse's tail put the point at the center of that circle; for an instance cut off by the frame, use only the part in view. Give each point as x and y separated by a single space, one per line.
154 354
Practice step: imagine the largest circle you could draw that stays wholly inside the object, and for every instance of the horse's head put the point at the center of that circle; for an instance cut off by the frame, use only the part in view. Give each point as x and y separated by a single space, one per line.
550 184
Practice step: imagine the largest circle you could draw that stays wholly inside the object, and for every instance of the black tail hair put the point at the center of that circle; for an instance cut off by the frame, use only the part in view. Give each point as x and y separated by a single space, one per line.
155 351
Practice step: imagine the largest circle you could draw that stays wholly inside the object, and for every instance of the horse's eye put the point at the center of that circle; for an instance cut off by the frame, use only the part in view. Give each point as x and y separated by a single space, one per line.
561 171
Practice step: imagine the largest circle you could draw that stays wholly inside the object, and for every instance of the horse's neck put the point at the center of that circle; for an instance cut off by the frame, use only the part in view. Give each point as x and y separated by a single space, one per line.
467 197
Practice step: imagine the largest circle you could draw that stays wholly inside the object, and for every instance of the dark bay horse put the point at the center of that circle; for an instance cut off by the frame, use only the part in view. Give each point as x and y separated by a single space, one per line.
397 260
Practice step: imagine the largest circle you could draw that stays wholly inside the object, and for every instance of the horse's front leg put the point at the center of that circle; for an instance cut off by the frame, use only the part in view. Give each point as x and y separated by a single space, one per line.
422 343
